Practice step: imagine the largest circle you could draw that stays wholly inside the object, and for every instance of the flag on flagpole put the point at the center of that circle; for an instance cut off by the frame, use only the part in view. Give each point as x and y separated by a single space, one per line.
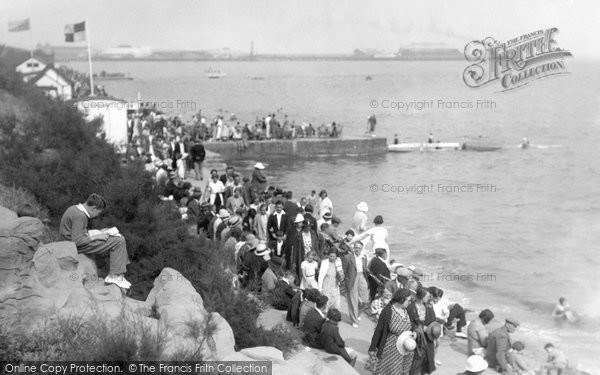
75 32
21 25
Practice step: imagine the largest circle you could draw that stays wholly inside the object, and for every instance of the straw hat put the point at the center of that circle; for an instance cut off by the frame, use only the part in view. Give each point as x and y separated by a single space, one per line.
261 249
234 220
362 206
433 331
476 363
223 214
259 166
299 219
405 343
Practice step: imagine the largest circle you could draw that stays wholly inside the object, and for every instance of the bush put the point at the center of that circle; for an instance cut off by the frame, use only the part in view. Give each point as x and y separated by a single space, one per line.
15 199
57 156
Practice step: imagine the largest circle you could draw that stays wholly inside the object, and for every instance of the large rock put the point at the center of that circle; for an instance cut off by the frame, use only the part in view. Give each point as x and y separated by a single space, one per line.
313 362
264 353
6 216
191 329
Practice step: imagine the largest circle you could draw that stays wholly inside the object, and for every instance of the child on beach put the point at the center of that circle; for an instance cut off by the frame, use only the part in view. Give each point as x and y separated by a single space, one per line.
562 311
557 361
517 361
309 270
381 301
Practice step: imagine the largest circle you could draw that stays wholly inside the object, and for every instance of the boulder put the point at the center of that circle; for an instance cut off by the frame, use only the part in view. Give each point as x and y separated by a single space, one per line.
181 309
6 216
264 353
313 362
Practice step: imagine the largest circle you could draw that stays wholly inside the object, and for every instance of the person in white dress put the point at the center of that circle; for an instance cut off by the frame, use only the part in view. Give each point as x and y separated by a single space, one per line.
309 269
325 204
377 234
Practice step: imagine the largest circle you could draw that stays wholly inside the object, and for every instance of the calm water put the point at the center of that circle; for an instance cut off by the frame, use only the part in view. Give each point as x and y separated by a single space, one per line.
532 238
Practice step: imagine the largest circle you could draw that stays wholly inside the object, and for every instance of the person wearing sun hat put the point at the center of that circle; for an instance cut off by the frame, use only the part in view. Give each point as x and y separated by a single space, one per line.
402 275
258 184
359 220
301 243
255 263
475 365
326 218
499 344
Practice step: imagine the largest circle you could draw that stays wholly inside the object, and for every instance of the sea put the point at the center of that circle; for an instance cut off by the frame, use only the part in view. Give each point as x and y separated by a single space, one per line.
511 230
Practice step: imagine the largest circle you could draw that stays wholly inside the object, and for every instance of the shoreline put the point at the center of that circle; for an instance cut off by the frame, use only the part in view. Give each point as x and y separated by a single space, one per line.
451 352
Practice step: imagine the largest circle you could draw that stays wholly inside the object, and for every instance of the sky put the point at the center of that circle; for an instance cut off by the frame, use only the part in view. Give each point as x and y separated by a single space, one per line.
301 26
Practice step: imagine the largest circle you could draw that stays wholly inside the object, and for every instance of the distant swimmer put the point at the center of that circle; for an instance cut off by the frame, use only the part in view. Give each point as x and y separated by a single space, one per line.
562 311
525 143
430 139
395 139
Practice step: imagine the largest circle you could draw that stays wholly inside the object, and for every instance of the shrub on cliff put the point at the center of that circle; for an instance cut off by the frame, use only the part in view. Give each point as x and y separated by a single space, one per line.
56 155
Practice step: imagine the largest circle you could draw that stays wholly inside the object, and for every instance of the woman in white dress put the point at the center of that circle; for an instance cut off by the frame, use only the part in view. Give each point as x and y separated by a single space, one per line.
377 234
325 204
216 190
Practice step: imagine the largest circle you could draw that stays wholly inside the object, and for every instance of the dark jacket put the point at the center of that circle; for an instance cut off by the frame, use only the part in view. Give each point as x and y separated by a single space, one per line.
293 313
414 316
380 274
331 341
350 271
198 153
272 226
312 221
291 209
295 250
381 331
312 327
497 349
281 296
259 182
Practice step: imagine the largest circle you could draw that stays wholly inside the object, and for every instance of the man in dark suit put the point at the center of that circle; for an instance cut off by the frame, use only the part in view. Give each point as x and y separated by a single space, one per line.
297 242
355 272
402 276
314 321
281 296
380 274
198 153
290 208
308 211
278 221
193 204
499 344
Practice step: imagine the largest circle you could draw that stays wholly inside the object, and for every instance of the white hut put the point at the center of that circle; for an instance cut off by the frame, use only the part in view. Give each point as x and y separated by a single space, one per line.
113 113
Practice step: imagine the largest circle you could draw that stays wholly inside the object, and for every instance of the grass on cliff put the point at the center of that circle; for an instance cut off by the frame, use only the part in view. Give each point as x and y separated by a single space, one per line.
58 157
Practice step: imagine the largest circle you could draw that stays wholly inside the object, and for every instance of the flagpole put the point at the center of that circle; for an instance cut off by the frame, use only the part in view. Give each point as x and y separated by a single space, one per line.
87 36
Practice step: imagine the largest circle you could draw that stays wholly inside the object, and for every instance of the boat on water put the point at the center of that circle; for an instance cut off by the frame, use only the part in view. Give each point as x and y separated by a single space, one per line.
480 146
214 73
104 76
424 147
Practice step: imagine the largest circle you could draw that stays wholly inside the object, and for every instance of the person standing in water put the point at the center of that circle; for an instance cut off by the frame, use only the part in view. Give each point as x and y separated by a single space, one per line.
371 122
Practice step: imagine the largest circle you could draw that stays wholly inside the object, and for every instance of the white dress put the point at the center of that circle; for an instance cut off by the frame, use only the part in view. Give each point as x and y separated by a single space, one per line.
309 271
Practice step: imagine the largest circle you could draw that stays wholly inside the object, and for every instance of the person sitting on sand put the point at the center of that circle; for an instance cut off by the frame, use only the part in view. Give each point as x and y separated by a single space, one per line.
330 340
499 344
313 322
517 361
477 334
557 361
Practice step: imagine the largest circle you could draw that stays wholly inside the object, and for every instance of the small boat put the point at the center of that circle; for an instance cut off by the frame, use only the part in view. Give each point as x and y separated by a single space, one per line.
368 78
104 76
480 146
214 73
422 147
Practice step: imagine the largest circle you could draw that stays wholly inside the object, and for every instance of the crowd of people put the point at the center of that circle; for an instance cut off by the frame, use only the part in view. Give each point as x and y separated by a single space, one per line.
149 129
295 253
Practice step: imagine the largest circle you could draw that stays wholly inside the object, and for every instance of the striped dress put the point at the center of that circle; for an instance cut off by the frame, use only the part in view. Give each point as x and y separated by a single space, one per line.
392 362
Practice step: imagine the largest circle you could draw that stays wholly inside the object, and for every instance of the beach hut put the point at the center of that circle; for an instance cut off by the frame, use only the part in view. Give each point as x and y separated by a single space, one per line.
113 113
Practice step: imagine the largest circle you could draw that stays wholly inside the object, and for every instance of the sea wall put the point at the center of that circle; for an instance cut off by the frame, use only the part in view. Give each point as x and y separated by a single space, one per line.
302 148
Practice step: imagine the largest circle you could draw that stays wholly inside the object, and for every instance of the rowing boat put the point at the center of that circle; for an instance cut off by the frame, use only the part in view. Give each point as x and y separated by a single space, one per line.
480 146
422 147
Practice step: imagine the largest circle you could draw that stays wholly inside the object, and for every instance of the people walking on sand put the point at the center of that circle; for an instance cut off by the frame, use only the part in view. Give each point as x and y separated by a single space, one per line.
309 270
356 274
392 324
380 273
74 227
477 334
197 154
331 274
325 204
499 344
330 340
359 220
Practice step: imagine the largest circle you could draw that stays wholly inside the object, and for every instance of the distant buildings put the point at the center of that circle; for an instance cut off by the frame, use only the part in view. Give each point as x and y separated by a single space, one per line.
44 75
